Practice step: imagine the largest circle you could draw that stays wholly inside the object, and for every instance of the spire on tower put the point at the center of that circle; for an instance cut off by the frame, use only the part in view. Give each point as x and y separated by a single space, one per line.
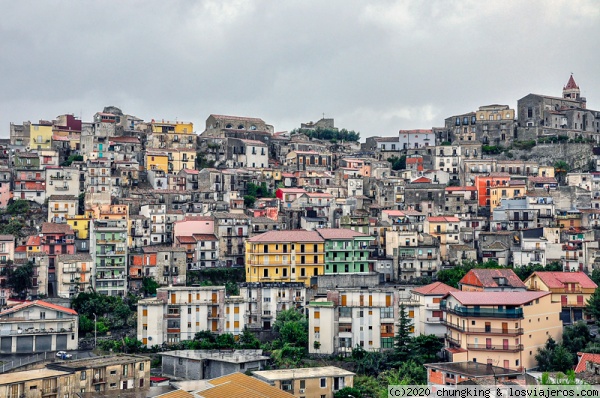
571 84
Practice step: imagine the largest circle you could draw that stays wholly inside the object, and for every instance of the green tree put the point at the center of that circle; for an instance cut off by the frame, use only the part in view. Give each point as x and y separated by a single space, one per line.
403 339
554 357
18 206
368 386
596 276
248 340
348 392
398 163
20 279
592 306
424 348
576 337
561 168
149 286
71 159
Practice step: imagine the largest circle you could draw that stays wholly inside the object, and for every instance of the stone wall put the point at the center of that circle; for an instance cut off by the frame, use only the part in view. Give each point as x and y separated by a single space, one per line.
576 155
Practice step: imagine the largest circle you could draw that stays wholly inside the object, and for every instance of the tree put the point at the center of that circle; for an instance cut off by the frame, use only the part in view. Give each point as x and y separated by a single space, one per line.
18 206
596 276
248 340
592 306
424 348
292 327
554 358
348 392
20 279
398 163
149 286
403 339
561 168
576 337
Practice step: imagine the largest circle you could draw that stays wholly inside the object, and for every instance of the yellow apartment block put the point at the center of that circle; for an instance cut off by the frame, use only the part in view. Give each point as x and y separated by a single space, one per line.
285 256
505 192
157 160
502 328
571 289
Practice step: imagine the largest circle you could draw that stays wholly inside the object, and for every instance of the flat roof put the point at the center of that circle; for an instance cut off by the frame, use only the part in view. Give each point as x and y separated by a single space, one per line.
302 373
87 363
235 356
18 377
472 369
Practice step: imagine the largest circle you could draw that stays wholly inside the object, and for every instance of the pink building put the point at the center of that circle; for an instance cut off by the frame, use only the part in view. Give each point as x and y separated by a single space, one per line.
191 225
5 191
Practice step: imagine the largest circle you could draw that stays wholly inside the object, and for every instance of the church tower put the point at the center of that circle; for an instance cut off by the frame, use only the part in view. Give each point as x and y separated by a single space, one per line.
571 91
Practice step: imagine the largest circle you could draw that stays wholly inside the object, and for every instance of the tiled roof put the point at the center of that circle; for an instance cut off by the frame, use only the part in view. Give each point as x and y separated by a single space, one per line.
173 394
319 195
452 189
7 237
489 278
33 240
543 180
40 303
62 197
186 239
571 84
435 289
238 385
585 358
73 257
340 233
292 190
298 235
443 219
558 279
497 298
421 180
51 228
204 237
129 140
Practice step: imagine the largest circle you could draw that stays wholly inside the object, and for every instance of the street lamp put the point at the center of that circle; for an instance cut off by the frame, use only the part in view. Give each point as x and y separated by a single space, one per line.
95 331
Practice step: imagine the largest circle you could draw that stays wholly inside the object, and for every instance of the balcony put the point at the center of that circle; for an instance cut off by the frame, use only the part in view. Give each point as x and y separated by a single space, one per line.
98 380
496 347
514 313
452 340
49 391
484 330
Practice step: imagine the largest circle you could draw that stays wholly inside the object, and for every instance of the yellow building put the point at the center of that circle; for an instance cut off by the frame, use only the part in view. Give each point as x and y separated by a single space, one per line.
81 224
285 256
157 160
502 328
33 245
571 289
40 136
514 189
322 381
495 113
179 159
172 135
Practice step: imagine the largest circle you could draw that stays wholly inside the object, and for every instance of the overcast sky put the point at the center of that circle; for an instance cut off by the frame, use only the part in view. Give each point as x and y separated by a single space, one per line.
375 66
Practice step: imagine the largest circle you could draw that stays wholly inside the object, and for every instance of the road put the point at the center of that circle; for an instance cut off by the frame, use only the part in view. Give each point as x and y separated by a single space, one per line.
76 355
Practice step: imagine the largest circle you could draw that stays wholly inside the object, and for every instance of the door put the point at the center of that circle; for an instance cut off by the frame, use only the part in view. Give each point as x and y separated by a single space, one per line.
506 363
504 327
488 343
505 344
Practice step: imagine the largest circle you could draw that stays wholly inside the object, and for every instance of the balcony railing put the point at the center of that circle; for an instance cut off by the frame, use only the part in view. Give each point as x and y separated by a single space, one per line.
452 340
495 347
513 313
484 330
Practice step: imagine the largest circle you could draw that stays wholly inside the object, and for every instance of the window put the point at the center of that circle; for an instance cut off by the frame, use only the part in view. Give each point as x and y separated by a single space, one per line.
42 315
323 382
83 375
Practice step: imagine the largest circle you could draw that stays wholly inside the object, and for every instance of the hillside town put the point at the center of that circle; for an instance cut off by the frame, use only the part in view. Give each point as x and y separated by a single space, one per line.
159 258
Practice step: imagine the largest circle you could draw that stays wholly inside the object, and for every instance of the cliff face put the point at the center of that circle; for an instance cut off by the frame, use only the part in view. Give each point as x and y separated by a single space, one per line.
577 156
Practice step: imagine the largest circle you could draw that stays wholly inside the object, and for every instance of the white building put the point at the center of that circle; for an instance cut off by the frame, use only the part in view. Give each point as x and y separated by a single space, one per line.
265 300
414 139
62 181
157 214
38 326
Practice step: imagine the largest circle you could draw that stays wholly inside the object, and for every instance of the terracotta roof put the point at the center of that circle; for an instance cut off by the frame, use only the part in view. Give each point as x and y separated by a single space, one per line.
298 235
40 303
172 394
319 195
196 218
543 180
497 298
33 240
52 228
571 84
421 180
238 385
190 171
414 160
204 237
292 190
496 246
586 357
7 237
340 233
455 350
435 289
452 189
186 239
489 278
129 140
558 279
443 219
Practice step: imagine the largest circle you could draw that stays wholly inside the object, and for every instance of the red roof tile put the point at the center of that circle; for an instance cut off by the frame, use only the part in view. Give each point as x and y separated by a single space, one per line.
558 279
443 219
435 289
585 358
571 84
340 233
52 228
298 235
489 278
186 239
452 189
421 180
204 237
497 298
40 303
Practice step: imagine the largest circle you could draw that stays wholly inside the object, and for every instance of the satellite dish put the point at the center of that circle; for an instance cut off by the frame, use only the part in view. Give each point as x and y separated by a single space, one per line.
150 338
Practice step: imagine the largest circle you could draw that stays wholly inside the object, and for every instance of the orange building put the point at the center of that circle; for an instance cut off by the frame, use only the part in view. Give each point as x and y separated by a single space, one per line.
141 265
485 183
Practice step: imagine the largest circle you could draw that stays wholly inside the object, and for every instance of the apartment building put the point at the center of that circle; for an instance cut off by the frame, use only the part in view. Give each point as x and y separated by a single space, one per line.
346 251
264 300
571 289
353 317
285 256
178 313
30 184
62 207
108 248
62 181
502 328
117 374
446 230
73 274
323 381
157 214
7 255
232 231
422 306
169 263
166 134
37 326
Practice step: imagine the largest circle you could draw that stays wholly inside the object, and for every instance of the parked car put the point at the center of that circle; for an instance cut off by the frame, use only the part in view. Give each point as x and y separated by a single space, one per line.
63 355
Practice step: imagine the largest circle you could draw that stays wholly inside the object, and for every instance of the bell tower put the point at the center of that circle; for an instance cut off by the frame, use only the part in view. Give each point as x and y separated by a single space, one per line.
571 90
